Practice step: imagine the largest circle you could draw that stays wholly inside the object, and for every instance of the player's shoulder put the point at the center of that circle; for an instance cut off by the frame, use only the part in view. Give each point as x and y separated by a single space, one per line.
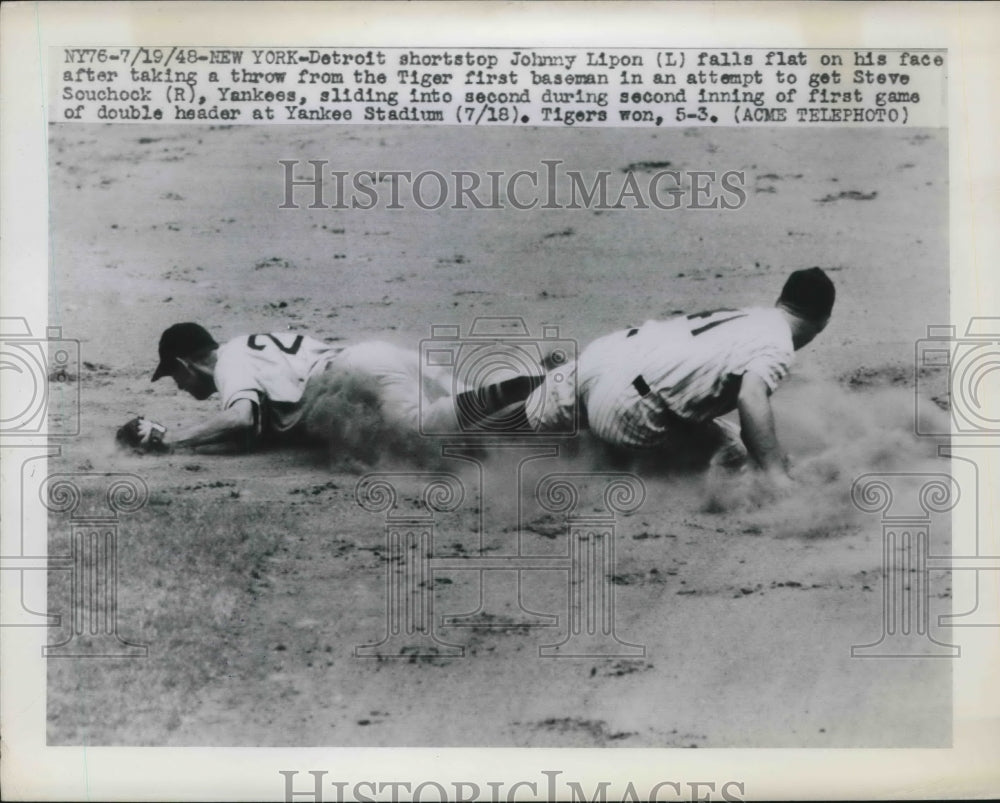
655 325
234 343
768 324
770 317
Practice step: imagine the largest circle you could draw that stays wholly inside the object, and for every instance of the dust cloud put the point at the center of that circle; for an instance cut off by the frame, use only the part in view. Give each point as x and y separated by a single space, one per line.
832 436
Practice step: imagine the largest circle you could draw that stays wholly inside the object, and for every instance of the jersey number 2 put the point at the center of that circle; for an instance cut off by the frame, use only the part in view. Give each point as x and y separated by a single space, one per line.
292 349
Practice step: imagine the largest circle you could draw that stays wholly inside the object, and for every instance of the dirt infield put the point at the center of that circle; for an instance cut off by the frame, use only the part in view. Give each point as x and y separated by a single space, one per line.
252 579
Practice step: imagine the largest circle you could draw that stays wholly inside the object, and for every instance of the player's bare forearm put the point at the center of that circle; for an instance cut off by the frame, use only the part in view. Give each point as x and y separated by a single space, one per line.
757 426
233 426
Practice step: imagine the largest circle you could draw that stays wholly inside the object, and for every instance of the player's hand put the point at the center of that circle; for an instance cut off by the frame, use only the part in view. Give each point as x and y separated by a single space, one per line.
142 435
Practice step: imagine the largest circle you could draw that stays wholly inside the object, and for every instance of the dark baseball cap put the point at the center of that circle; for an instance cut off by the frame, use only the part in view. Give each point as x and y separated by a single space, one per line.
809 294
181 340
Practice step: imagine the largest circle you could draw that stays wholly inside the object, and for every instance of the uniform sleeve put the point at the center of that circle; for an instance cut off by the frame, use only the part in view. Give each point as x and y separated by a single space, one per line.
772 368
236 380
768 349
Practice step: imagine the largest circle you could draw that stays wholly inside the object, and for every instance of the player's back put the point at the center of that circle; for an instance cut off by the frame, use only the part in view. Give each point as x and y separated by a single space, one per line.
276 365
692 362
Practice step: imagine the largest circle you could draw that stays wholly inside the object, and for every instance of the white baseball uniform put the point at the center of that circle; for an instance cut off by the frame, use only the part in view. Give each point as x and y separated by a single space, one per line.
635 384
272 371
410 396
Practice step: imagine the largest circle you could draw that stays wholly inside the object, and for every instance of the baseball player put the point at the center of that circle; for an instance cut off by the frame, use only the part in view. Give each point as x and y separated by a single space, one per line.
266 382
666 382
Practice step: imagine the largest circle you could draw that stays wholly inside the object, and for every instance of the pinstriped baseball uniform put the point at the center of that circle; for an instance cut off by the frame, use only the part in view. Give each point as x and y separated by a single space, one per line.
635 384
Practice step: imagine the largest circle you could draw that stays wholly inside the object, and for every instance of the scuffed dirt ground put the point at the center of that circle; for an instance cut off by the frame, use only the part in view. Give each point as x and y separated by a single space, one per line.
253 578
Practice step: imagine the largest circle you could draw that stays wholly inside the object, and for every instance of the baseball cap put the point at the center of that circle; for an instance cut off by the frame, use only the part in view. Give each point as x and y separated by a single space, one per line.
809 294
181 340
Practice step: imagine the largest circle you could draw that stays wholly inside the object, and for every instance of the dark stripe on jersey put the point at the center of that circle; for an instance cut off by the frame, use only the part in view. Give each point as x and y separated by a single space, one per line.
709 313
723 401
261 414
713 324
641 386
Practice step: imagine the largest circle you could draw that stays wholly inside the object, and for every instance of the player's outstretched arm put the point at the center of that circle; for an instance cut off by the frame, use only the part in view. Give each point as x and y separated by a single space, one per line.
758 431
236 426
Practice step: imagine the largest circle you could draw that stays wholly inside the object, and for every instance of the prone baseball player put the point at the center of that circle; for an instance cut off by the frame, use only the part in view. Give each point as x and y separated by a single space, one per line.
268 382
664 384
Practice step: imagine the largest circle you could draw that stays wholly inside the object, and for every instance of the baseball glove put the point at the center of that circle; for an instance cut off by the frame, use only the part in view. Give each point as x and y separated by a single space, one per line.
142 435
